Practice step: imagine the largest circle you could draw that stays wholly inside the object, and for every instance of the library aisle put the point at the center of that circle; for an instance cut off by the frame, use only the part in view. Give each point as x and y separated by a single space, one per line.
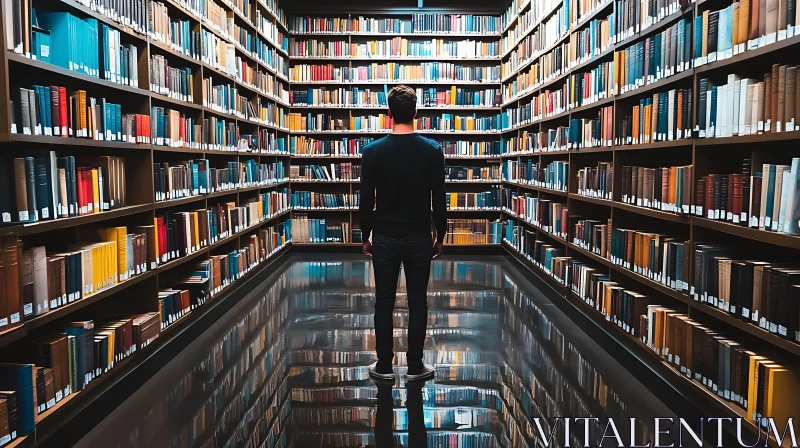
287 367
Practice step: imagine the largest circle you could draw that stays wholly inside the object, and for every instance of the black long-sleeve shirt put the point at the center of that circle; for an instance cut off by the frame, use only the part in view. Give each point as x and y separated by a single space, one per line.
406 172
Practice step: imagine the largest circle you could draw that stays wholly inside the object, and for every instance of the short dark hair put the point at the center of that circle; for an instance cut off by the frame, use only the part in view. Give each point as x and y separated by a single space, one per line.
403 104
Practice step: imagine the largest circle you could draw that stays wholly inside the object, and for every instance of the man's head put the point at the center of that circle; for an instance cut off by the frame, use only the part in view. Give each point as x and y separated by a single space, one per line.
402 104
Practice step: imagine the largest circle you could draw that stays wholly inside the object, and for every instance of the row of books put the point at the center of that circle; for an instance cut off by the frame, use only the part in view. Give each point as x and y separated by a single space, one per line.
51 111
302 146
65 363
530 47
526 20
177 83
665 116
549 257
322 230
394 47
489 173
745 106
302 200
50 187
550 216
336 171
587 132
196 177
596 182
427 97
471 148
417 24
742 26
485 200
175 33
38 281
47 36
394 72
311 122
662 188
765 200
553 176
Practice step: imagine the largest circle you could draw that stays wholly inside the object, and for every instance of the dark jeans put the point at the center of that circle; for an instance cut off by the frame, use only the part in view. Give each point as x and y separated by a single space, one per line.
415 253
385 421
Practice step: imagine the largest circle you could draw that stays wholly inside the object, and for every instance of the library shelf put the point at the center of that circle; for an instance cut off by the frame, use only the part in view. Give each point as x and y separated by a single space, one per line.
533 187
652 29
750 54
397 82
763 236
593 200
394 58
185 150
686 142
176 202
176 102
220 193
655 213
593 149
53 224
105 19
600 102
74 141
747 139
655 85
324 209
388 131
420 34
324 156
371 107
534 25
160 46
331 244
315 181
55 69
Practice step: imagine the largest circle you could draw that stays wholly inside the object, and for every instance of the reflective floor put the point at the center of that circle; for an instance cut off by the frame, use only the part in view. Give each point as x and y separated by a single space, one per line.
288 368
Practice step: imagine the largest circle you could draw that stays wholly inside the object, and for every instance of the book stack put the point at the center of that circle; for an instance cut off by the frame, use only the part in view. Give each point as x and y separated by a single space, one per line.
176 83
50 111
181 179
764 201
665 116
171 127
302 146
554 176
394 72
309 200
469 149
657 57
593 236
757 384
596 182
50 187
659 257
665 188
550 216
334 172
320 230
487 200
176 34
590 132
473 231
745 106
472 174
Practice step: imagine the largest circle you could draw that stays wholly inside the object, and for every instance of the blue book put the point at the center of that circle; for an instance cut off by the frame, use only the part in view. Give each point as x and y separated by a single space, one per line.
698 37
770 194
20 379
725 31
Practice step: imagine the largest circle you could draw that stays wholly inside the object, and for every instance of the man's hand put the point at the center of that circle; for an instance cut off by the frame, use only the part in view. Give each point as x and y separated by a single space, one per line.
438 249
366 247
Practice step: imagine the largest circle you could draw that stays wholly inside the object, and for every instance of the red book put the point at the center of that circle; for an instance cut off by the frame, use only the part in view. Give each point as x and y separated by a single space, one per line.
81 193
63 117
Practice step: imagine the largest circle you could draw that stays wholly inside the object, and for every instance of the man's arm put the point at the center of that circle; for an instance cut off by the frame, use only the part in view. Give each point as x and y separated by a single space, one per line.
439 203
367 195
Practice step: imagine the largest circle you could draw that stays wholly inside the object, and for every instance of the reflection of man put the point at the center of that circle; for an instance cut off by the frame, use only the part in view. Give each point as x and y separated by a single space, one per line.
385 421
404 170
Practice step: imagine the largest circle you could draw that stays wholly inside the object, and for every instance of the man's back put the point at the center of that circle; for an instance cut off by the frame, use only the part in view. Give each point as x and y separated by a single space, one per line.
405 171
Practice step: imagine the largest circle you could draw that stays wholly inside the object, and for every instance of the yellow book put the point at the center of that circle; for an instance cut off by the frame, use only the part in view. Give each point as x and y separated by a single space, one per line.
97 273
452 95
457 123
196 241
783 389
95 191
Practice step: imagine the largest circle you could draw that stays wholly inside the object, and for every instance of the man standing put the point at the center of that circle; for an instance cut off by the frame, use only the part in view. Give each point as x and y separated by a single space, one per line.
406 172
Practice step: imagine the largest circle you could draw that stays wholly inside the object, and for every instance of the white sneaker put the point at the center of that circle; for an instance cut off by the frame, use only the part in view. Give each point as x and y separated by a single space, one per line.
380 376
427 372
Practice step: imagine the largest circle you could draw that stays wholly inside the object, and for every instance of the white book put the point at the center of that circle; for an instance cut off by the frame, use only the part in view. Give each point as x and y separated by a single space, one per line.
777 196
787 194
747 101
670 116
722 100
733 128
764 187
742 112
708 113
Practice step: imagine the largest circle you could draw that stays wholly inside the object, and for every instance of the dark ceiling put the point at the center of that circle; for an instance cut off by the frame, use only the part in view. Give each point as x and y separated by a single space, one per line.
391 6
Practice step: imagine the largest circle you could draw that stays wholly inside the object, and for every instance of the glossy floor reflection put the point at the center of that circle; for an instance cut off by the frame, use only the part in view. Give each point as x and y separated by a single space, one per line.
289 369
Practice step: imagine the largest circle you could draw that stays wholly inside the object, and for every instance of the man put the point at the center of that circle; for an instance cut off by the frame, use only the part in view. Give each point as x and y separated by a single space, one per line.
406 172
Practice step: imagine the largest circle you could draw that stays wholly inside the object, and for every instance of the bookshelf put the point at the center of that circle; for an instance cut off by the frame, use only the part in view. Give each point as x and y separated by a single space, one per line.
703 155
